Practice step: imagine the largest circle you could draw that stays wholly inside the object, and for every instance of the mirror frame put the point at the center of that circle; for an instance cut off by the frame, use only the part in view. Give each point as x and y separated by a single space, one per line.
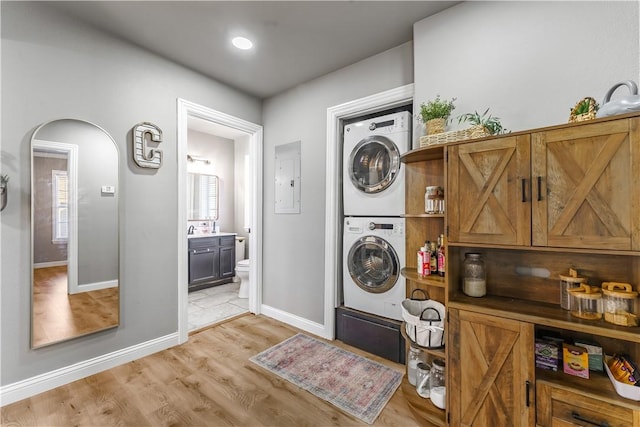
72 150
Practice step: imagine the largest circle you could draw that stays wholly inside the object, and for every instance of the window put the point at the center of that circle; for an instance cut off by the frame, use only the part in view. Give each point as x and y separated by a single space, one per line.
60 206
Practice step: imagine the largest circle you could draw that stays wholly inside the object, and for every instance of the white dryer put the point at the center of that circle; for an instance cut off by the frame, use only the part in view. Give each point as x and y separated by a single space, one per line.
373 253
373 176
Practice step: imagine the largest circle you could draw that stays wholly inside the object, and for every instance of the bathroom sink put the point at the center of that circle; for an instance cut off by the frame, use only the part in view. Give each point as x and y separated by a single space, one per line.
220 234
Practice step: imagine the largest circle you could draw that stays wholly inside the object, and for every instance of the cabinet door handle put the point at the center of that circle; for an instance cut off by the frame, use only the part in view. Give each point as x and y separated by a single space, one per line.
524 190
539 188
579 417
527 384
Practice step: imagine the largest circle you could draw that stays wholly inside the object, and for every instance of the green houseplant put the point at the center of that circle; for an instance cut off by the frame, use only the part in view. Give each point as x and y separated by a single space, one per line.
435 114
489 123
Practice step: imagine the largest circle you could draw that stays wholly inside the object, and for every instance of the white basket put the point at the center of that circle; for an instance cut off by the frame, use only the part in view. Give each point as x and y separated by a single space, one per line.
424 322
625 390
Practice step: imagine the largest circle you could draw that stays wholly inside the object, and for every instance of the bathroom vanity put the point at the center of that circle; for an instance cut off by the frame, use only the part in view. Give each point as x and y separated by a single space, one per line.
212 260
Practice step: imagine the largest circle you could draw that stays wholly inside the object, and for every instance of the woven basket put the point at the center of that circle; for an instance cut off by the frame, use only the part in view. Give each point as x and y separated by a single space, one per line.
589 115
473 132
435 126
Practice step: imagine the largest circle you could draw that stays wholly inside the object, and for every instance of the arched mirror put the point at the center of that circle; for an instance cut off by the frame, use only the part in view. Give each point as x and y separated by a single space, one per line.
74 231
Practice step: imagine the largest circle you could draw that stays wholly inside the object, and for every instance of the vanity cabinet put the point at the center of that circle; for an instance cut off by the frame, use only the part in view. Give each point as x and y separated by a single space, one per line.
211 261
571 187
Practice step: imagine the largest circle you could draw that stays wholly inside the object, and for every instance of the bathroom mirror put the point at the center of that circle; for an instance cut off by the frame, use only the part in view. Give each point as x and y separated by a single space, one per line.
202 204
74 231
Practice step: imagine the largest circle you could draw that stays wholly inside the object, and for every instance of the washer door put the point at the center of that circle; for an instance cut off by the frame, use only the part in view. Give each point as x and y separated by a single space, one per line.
374 164
373 264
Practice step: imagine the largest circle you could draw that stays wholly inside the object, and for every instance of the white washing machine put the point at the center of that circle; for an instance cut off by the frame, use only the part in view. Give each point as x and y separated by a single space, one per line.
373 253
373 176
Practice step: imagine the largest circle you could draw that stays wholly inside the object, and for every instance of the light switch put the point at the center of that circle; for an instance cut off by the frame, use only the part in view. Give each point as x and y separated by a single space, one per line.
108 189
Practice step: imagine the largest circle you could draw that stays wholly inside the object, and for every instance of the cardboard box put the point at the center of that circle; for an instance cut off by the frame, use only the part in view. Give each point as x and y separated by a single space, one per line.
595 354
547 354
576 360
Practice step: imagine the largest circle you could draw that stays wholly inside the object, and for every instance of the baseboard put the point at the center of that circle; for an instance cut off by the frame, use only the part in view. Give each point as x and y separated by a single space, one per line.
297 321
50 264
40 383
96 286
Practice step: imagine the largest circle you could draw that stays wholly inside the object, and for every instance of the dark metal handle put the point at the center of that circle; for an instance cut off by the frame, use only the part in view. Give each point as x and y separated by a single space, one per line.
579 417
528 385
539 188
524 190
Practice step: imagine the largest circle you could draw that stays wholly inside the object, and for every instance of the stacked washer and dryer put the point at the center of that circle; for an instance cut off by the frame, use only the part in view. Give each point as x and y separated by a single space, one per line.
373 201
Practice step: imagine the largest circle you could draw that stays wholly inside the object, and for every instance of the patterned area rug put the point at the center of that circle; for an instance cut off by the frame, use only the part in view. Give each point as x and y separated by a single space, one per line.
357 385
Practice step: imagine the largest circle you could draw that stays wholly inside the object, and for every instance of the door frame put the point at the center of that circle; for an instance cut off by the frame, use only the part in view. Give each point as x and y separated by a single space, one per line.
333 197
188 109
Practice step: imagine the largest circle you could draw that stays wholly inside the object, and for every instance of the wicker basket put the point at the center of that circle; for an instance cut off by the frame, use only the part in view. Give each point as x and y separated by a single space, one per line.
589 115
435 126
473 132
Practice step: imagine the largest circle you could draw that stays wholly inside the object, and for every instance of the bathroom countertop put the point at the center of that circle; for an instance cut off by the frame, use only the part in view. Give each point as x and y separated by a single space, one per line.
220 234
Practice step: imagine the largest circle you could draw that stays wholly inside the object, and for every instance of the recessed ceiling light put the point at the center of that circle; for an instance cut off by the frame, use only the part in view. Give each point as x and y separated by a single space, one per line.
242 43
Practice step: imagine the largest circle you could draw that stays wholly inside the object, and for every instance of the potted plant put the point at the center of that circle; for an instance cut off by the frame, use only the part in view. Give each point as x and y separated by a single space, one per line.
435 114
485 122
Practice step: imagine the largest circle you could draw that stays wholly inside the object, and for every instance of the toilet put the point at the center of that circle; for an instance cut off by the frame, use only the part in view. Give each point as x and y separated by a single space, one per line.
242 272
242 269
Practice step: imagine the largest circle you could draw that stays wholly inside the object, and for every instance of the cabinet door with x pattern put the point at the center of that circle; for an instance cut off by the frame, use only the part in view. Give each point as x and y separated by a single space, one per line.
586 186
489 186
491 371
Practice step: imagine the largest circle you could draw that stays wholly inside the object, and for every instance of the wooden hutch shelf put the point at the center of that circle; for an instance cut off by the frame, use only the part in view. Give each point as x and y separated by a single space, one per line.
413 275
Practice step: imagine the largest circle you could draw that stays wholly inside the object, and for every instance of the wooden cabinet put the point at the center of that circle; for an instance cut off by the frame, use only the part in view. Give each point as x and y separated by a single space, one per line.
486 184
560 406
571 187
491 370
533 204
211 261
423 167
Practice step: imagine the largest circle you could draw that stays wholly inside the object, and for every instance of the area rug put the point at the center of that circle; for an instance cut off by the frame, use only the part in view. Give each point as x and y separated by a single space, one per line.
355 384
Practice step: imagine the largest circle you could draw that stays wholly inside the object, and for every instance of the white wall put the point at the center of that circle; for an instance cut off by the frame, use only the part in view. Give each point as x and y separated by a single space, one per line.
242 189
529 62
293 273
54 68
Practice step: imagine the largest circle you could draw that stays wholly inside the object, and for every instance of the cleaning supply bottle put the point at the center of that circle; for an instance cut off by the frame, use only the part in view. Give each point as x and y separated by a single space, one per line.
426 259
420 262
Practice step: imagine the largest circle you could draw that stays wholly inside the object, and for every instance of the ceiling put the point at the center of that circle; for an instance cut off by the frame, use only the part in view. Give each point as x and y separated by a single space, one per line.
294 41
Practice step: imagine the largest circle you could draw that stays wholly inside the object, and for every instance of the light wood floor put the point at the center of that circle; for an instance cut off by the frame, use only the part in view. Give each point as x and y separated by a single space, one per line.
58 316
208 381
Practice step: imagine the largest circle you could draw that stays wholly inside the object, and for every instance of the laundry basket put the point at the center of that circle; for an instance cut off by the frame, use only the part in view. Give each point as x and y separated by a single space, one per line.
424 321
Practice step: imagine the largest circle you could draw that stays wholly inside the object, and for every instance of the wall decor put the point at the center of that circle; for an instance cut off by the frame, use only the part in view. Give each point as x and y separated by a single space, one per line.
4 181
142 155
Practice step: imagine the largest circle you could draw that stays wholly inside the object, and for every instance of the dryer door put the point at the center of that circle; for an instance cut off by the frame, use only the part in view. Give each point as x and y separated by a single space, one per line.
373 264
374 164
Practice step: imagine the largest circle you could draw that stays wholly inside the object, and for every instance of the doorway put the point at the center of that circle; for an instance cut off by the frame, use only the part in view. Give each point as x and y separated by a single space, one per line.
207 121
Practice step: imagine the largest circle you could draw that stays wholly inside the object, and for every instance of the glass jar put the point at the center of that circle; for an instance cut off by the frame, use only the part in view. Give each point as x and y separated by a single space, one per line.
423 385
474 280
414 357
569 282
434 200
620 303
586 302
437 390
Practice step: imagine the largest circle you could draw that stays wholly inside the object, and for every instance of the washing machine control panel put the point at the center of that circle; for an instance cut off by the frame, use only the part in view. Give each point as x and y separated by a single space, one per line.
388 229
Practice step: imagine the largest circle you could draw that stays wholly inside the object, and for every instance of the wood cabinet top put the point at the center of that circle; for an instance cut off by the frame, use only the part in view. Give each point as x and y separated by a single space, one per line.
437 152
